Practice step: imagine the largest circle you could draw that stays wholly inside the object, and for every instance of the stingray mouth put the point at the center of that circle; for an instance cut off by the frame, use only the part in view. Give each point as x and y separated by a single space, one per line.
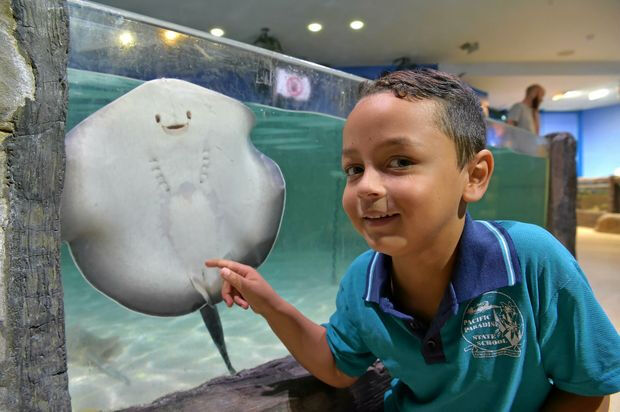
175 128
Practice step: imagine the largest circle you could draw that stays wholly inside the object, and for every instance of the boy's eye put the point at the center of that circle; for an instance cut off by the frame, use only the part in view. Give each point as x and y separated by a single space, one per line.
400 163
353 170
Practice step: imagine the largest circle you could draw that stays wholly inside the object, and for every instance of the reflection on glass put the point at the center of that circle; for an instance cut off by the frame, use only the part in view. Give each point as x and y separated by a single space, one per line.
170 37
126 39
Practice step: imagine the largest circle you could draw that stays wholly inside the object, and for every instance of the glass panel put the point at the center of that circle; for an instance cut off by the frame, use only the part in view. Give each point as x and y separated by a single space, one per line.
119 358
500 134
518 189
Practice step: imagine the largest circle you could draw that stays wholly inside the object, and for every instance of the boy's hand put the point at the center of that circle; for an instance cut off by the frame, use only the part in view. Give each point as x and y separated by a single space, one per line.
244 286
305 339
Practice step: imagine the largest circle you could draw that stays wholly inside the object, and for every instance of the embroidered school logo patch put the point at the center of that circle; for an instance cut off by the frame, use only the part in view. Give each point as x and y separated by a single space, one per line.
493 326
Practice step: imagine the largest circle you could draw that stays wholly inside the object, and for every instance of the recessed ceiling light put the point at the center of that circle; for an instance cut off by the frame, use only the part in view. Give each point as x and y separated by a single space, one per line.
564 53
170 37
126 39
217 32
598 94
572 94
314 27
557 97
356 24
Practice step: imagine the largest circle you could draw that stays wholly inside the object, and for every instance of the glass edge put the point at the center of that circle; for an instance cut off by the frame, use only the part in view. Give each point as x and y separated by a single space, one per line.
279 109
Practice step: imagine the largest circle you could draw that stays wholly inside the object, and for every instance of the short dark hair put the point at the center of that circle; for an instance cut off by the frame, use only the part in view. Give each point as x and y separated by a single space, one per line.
459 114
533 87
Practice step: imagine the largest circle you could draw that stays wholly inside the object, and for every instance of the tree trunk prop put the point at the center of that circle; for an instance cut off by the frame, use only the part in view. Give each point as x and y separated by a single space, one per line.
562 206
33 106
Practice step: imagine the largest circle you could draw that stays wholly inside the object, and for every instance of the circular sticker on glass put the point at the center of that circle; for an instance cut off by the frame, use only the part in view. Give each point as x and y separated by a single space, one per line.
493 326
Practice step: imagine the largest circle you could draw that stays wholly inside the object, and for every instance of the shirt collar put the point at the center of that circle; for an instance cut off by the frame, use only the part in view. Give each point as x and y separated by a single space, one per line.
486 260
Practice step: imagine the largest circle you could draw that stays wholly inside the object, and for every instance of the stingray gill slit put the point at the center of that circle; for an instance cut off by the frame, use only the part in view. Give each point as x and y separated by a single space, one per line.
162 183
204 169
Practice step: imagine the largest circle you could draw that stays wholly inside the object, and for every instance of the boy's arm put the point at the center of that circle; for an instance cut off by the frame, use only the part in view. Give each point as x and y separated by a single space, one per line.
307 342
561 401
304 339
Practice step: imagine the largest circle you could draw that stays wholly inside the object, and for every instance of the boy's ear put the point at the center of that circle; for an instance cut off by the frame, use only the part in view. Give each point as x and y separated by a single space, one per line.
479 170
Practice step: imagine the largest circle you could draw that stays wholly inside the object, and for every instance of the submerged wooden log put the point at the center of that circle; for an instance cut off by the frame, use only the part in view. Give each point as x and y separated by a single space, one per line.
279 385
33 105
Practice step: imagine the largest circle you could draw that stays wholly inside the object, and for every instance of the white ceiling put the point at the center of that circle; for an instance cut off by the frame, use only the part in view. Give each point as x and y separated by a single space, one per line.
520 42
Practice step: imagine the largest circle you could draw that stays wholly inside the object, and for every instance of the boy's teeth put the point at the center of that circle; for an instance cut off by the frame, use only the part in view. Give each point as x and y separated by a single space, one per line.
378 217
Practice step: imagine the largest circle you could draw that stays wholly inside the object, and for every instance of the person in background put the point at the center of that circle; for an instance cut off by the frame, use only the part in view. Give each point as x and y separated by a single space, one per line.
525 114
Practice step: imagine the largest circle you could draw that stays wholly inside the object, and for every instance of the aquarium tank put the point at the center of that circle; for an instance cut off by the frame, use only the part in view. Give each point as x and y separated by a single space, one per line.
119 358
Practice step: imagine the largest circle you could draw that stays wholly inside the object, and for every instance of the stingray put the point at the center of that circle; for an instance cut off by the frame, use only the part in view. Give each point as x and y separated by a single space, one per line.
86 349
156 182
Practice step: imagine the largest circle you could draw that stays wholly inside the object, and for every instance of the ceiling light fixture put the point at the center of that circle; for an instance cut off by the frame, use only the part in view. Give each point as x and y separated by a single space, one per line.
469 47
314 27
126 39
571 94
170 37
217 32
565 53
598 94
356 24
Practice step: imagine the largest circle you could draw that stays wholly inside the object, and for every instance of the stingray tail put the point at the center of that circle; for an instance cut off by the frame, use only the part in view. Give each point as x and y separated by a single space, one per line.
211 318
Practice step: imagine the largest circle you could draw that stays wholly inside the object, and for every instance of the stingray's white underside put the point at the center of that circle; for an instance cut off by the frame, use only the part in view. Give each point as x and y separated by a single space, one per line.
160 180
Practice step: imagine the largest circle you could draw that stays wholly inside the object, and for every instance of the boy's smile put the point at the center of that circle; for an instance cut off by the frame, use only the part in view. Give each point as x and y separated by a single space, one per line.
404 186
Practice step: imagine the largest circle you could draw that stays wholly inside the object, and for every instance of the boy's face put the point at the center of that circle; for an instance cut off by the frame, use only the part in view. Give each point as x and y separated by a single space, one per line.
404 185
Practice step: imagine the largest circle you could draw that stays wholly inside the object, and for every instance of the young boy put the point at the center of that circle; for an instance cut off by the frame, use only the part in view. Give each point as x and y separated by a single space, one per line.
466 315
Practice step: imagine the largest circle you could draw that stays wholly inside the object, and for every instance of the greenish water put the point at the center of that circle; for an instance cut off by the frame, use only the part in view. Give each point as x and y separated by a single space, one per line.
110 346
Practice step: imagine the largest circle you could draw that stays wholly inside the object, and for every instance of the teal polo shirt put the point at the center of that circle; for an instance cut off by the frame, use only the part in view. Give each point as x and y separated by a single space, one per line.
517 317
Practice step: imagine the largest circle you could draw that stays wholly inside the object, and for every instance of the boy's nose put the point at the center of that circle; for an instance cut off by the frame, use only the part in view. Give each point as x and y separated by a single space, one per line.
370 185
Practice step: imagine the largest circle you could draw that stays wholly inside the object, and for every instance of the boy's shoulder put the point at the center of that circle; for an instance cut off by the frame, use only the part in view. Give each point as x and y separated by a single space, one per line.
532 240
540 253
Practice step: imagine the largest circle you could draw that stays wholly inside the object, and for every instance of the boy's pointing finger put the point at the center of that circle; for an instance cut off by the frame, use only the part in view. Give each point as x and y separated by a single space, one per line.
239 268
233 278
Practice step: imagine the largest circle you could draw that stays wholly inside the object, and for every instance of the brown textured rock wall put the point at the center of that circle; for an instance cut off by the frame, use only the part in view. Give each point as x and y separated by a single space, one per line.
33 368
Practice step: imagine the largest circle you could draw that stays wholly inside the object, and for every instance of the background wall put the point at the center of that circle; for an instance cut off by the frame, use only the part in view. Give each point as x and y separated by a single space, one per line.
598 137
601 138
